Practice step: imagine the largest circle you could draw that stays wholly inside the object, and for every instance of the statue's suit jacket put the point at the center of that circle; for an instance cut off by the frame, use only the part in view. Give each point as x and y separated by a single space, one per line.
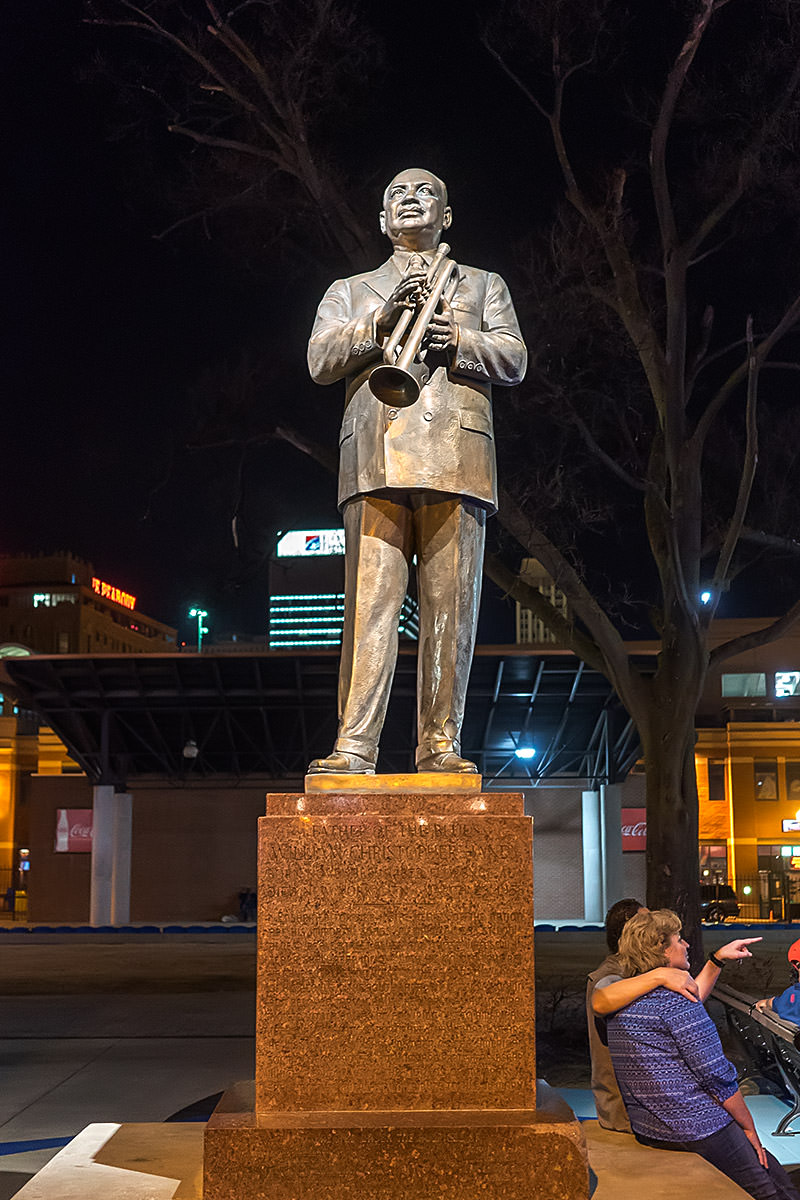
445 440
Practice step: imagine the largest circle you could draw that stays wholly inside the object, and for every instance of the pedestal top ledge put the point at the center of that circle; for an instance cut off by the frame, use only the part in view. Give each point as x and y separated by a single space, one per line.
410 801
416 782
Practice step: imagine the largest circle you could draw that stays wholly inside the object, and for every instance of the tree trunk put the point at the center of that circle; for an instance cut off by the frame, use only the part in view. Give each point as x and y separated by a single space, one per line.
673 864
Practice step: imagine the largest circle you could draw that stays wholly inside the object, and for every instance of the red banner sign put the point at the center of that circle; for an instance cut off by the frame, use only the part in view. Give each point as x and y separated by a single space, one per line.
634 828
74 830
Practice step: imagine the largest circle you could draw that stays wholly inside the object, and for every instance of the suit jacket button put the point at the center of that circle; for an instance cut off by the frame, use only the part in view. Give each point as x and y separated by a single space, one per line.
428 416
462 364
392 413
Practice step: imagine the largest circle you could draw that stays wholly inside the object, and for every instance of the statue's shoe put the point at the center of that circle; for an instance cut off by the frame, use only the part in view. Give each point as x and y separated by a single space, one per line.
340 763
447 760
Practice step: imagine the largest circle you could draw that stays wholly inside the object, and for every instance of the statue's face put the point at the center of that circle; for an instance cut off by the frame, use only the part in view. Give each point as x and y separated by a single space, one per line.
415 209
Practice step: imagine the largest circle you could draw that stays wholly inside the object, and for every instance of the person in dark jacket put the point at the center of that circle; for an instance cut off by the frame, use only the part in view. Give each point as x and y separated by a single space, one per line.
787 1005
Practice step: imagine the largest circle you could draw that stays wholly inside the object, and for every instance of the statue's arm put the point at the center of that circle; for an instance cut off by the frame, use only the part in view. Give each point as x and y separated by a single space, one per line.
495 353
342 341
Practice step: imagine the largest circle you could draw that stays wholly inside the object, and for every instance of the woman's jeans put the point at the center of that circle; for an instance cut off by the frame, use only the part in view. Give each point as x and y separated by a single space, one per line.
731 1153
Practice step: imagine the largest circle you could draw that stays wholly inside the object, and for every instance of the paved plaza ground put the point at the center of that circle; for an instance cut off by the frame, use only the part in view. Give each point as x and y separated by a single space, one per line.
138 1027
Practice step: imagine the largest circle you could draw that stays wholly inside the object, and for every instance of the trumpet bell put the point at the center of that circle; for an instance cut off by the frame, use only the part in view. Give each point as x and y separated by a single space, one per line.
394 386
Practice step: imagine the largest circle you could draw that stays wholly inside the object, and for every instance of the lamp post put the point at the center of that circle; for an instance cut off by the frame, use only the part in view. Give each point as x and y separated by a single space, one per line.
200 614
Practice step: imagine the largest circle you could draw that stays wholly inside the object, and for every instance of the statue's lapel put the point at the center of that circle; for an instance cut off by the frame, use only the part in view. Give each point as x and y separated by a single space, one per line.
383 281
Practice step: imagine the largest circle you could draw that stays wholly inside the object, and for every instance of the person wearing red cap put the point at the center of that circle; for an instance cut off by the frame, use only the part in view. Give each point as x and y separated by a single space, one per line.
787 1005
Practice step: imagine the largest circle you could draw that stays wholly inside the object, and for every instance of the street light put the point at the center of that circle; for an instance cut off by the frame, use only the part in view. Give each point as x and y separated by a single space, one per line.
200 614
525 752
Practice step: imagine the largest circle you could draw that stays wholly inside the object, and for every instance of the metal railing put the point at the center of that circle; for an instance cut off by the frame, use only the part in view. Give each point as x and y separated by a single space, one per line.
771 1046
13 901
767 896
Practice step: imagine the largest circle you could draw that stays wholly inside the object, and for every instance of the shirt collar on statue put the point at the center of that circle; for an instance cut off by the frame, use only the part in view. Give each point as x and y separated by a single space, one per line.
401 256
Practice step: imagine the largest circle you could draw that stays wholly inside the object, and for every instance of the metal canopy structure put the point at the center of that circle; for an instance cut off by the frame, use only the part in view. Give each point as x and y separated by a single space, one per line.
188 718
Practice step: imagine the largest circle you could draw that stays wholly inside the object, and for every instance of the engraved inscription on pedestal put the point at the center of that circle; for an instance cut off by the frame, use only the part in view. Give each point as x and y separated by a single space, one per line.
395 963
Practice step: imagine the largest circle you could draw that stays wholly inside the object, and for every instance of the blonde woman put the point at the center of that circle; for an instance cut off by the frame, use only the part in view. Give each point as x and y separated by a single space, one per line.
679 1089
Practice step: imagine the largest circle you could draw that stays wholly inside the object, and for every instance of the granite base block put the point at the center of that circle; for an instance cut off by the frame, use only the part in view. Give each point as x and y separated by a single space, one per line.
395 953
399 1155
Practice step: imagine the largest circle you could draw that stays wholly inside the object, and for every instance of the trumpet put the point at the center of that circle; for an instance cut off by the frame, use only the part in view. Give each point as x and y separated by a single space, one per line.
400 378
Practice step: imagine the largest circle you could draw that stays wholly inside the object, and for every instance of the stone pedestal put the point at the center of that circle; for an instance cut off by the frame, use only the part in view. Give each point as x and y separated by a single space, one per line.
395 1047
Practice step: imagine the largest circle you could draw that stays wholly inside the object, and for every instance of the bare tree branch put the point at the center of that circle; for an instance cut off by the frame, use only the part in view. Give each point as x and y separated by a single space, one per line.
760 637
530 597
771 541
748 470
737 376
206 139
324 455
591 442
748 163
515 79
658 142
620 670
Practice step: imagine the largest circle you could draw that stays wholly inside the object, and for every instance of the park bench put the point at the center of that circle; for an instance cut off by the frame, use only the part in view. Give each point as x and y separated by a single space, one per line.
771 1046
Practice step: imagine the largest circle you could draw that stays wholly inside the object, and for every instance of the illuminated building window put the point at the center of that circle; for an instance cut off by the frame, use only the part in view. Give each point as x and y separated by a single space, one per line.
316 619
529 627
787 683
765 779
793 782
713 863
753 684
51 599
716 779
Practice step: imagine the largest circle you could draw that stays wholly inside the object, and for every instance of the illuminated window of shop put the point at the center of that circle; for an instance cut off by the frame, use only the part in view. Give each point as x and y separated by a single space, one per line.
713 863
787 683
765 778
752 684
716 778
770 858
793 782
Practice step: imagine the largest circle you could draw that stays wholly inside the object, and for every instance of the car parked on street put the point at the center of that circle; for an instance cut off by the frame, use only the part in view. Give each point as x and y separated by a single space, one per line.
717 902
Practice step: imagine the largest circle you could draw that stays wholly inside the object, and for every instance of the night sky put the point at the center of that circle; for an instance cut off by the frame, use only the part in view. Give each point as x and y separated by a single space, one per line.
110 332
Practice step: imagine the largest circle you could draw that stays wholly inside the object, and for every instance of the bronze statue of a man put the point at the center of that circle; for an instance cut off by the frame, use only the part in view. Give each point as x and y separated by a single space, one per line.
413 480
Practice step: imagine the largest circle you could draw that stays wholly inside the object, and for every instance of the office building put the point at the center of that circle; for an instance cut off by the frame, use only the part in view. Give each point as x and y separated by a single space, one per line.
59 604
306 592
530 628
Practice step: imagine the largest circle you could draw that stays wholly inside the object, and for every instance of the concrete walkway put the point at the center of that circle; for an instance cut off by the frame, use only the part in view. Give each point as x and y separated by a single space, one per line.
108 1161
115 1030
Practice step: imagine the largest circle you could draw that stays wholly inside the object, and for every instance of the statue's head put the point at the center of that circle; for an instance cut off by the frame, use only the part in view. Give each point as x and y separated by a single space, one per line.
415 209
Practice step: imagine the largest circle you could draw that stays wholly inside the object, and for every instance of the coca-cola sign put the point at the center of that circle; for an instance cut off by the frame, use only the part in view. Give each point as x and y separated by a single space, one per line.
74 830
634 828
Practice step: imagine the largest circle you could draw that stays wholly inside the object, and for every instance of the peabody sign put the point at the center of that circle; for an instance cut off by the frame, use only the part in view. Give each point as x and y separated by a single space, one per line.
634 829
109 592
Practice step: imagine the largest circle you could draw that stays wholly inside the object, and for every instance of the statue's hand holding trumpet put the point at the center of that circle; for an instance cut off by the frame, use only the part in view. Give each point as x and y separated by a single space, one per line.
409 295
423 297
